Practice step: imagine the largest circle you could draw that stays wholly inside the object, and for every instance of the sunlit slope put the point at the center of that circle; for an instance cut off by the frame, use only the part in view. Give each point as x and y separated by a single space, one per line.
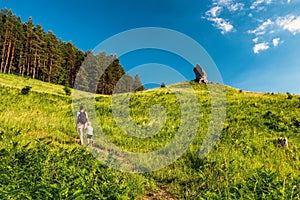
40 158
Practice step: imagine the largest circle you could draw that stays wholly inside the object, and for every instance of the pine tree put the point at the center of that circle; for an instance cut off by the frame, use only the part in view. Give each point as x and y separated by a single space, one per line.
138 86
37 45
7 41
51 54
28 26
26 49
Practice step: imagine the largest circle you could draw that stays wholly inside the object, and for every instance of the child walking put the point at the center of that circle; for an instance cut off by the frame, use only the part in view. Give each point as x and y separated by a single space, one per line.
89 132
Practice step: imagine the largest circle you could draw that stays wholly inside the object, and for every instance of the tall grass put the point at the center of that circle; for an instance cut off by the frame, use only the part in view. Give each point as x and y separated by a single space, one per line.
40 159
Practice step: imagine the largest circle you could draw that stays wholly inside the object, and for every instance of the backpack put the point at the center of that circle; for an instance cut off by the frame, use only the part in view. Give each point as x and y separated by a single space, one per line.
82 118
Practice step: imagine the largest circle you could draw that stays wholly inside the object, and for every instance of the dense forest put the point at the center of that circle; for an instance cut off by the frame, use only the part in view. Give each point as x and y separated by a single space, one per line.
27 50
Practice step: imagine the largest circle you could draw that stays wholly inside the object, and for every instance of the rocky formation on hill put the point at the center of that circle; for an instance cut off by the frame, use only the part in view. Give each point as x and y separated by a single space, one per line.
201 76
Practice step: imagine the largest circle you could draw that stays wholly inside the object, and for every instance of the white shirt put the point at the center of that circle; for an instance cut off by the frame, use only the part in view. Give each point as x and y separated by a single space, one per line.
89 130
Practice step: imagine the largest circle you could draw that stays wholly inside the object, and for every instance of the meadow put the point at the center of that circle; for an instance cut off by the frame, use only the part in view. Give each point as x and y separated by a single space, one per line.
40 158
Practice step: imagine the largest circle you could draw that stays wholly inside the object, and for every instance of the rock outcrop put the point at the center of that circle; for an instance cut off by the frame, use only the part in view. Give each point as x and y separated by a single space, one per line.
201 76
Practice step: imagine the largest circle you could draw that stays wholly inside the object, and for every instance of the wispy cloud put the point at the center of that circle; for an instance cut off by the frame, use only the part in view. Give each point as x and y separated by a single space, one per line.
231 5
275 27
261 30
214 14
290 23
255 40
214 11
260 47
261 20
258 3
276 42
222 24
235 7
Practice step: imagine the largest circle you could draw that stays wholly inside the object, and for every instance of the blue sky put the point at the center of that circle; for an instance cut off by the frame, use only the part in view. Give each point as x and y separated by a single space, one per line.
255 44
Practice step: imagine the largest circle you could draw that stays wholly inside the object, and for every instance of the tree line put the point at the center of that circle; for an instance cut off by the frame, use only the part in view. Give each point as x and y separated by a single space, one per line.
27 50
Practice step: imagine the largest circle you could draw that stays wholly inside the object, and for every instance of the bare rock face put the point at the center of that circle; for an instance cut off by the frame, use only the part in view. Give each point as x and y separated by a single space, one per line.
201 76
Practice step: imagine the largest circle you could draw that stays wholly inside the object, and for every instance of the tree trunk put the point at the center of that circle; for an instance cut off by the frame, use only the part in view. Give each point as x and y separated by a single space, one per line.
3 50
34 64
44 69
28 60
23 69
21 62
7 56
50 70
12 57
38 69
71 74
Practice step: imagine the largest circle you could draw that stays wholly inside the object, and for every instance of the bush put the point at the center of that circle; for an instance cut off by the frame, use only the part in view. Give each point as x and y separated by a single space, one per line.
289 96
163 85
67 90
26 90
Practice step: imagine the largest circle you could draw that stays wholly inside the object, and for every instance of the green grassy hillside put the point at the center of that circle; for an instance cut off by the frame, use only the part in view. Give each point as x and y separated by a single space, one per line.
40 158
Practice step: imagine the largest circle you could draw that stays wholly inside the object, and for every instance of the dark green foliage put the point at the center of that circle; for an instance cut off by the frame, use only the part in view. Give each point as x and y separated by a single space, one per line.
289 96
43 171
112 74
114 80
162 85
67 90
26 90
27 50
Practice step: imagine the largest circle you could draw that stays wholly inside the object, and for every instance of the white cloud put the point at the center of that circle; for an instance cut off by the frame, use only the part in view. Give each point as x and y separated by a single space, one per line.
268 2
260 47
276 42
222 24
255 40
270 28
235 7
261 20
290 23
231 5
214 11
257 3
261 30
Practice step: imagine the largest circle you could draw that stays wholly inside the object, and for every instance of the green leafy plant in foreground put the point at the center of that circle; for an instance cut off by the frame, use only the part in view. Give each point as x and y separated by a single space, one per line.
67 90
26 90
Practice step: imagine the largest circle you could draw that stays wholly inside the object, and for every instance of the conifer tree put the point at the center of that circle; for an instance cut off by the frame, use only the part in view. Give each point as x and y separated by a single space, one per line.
138 86
28 50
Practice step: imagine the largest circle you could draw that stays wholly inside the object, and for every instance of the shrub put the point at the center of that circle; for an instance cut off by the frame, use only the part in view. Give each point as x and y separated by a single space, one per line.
289 96
163 85
26 90
67 90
